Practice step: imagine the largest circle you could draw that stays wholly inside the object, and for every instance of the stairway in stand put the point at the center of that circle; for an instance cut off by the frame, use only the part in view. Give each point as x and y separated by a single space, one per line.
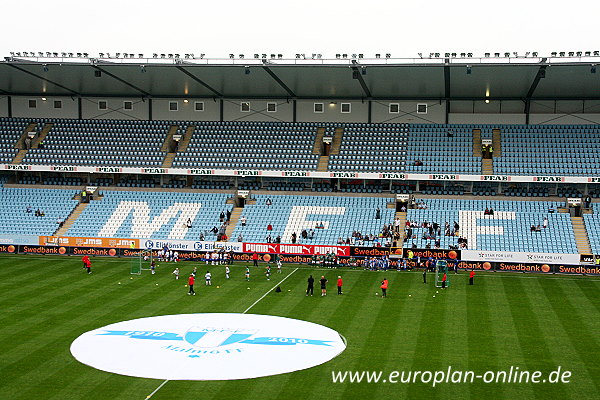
323 163
487 166
235 216
71 219
581 236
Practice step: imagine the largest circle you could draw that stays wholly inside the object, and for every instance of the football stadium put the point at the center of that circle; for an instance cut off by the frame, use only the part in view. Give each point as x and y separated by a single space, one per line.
299 226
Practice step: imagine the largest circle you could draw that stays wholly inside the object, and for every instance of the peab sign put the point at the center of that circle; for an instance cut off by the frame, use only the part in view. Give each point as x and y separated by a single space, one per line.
207 346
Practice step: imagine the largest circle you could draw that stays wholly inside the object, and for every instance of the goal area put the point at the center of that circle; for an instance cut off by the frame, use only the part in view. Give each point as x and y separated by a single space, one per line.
142 262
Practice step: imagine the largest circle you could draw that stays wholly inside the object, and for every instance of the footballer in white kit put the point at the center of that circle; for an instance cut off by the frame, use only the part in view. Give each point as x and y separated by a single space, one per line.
207 277
227 272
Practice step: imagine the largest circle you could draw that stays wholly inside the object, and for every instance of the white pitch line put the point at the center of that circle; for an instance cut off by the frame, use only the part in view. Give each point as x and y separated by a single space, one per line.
245 311
270 290
157 389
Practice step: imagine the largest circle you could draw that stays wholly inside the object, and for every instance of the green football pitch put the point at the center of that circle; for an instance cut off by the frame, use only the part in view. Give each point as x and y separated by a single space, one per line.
522 321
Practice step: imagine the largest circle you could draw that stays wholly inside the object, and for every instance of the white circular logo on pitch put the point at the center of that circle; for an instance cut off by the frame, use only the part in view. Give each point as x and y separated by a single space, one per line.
207 346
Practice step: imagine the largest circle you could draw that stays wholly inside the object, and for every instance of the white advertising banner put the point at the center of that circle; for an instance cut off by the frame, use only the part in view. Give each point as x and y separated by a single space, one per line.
519 257
301 174
190 245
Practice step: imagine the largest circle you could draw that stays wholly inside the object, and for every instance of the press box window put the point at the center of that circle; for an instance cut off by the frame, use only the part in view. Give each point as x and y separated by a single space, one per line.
394 108
32 103
128 105
199 106
102 105
345 108
318 107
271 107
421 108
173 106
57 103
245 106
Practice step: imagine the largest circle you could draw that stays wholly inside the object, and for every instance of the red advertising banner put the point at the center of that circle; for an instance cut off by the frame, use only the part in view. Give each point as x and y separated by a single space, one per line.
301 249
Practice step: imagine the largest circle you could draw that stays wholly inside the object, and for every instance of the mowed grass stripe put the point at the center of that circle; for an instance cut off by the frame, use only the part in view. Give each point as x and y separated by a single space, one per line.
28 304
482 346
522 296
53 342
568 328
329 310
505 335
431 346
457 350
411 295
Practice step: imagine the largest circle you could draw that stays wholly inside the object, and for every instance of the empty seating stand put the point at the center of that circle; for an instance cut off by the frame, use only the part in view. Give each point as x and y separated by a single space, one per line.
251 145
11 130
371 148
102 143
565 150
14 219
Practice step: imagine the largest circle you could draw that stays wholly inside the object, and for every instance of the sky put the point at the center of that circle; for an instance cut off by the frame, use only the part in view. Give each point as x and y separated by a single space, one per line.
327 27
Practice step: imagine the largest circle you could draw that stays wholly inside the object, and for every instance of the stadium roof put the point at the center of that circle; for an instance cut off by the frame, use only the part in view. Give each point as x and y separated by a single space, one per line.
377 79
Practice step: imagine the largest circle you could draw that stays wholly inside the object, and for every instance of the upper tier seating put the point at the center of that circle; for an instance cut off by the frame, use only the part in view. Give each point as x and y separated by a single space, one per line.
509 229
156 215
55 203
549 150
11 130
254 145
341 216
371 148
102 143
440 153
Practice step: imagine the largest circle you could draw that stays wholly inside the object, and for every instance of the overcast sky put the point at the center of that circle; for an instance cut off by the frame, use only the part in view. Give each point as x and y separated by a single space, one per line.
217 28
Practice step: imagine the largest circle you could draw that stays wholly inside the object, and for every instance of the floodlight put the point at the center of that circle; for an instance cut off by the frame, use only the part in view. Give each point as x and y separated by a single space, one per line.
388 55
155 55
247 70
507 54
70 54
40 54
535 54
588 53
562 53
579 54
593 69
170 55
463 55
497 55
140 55
486 55
376 55
45 67
468 70
142 68
469 55
553 54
